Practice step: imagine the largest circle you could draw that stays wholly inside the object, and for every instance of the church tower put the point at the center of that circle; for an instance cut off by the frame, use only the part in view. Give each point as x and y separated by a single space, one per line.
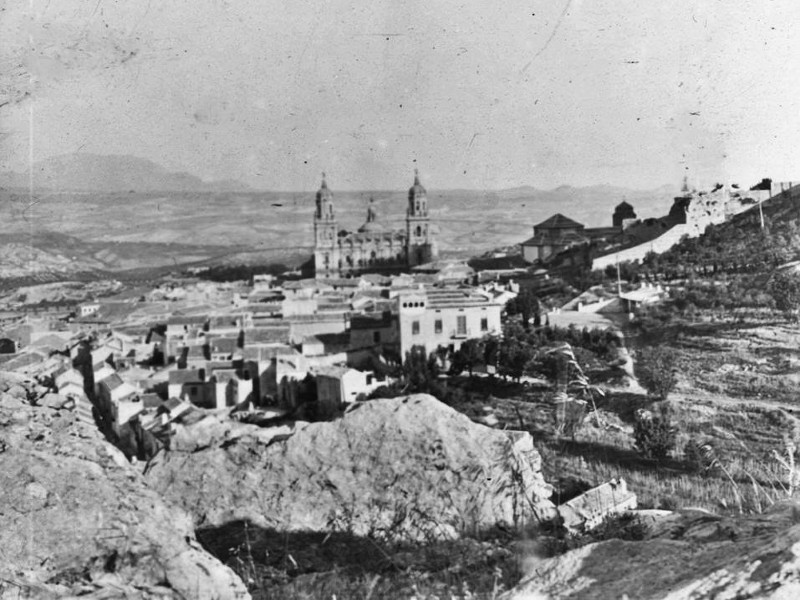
326 250
420 248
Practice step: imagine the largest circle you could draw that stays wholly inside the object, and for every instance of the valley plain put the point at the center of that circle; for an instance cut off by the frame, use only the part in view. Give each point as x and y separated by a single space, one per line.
73 232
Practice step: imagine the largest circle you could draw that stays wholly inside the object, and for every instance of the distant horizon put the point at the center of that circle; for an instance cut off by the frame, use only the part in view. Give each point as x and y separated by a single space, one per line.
330 180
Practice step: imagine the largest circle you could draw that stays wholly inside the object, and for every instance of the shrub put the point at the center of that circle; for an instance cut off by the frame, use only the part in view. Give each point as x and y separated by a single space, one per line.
700 456
655 370
784 287
623 526
654 435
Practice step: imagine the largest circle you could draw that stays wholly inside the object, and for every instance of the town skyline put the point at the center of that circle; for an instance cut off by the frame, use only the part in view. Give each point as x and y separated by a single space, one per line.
539 95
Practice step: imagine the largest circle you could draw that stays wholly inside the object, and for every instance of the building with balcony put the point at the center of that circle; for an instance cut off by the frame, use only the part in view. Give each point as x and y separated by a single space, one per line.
445 317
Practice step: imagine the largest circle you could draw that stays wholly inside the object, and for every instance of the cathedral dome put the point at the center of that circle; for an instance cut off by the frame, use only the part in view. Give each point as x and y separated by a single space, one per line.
371 227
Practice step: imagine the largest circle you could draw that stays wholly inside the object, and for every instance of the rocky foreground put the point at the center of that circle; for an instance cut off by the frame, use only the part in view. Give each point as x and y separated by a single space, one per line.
402 469
76 519
689 555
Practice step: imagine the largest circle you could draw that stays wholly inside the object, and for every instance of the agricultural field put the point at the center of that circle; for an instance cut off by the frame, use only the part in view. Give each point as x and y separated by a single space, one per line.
737 392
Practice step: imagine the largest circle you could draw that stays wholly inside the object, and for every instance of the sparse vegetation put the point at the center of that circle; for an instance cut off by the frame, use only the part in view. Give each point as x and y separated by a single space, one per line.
280 566
654 435
623 526
784 287
655 370
224 273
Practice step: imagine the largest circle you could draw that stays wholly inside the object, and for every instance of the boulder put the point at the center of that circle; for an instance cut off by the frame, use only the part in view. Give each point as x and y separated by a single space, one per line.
52 400
214 430
687 555
77 520
405 468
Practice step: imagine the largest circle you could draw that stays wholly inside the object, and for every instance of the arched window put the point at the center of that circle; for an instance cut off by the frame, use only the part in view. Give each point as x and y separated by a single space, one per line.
419 231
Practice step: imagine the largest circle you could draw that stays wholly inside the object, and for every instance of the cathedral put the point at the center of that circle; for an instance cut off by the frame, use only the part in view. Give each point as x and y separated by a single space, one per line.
373 248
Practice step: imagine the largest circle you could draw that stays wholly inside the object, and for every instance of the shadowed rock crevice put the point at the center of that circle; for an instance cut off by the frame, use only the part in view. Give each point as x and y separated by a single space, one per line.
76 519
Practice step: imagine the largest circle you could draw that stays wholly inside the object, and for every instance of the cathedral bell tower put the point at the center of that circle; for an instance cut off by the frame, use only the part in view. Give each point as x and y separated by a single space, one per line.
326 259
419 247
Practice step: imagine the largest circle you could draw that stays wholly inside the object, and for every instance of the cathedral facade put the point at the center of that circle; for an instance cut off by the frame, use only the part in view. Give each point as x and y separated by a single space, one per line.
373 248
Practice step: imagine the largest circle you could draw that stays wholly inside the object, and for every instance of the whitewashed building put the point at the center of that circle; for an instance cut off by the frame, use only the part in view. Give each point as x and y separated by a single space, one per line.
445 317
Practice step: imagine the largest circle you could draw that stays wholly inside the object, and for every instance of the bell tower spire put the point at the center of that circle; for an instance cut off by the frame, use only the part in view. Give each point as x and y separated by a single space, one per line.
419 246
326 251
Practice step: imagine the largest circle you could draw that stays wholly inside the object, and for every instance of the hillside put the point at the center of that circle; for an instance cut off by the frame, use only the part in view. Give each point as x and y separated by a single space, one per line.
740 244
98 173
51 256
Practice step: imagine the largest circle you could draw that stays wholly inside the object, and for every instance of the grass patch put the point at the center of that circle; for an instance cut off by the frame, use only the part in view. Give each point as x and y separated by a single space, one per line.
302 565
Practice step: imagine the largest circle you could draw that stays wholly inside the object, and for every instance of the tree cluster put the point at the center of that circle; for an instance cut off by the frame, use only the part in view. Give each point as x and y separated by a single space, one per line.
521 352
784 287
226 273
656 370
526 304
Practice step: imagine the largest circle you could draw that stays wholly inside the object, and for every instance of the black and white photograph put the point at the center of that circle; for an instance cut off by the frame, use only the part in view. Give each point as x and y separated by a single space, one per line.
408 300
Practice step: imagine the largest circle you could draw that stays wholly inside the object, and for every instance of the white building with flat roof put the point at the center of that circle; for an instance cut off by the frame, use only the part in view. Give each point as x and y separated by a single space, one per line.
445 317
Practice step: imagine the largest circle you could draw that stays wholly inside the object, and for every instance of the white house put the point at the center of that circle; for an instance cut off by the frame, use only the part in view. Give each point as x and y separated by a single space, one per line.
588 510
113 393
446 317
339 386
88 308
67 375
210 388
646 294
279 370
101 370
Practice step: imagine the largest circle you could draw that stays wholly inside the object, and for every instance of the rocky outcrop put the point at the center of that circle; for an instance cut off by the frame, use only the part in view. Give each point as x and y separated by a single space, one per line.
688 555
405 468
77 520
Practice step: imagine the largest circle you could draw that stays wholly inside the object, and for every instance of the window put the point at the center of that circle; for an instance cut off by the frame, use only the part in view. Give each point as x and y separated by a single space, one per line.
376 337
414 327
484 324
461 325
437 326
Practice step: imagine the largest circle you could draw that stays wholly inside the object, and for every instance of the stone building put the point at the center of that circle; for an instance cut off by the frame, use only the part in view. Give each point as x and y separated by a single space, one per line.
553 236
623 215
373 247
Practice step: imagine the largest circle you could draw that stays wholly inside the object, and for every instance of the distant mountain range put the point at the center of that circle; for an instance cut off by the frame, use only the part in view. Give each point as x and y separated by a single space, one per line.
113 173
124 173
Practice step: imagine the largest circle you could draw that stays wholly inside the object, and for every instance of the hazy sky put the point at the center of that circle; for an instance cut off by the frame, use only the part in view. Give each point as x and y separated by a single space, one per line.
479 94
